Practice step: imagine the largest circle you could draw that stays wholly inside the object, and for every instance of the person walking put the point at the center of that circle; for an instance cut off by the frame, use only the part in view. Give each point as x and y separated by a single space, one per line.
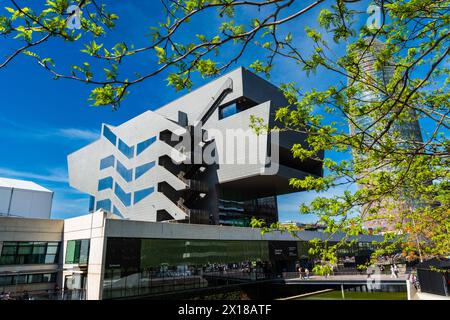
396 271
392 272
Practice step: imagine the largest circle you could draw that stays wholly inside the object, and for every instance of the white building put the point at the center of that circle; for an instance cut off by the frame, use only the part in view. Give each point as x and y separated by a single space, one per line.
19 198
157 166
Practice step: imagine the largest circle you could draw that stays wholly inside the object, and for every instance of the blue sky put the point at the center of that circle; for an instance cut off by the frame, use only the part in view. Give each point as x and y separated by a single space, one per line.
43 120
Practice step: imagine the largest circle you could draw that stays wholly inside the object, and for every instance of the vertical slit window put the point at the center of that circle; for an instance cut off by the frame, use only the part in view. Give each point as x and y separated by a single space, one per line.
108 134
124 197
143 169
126 174
126 150
117 212
145 144
142 194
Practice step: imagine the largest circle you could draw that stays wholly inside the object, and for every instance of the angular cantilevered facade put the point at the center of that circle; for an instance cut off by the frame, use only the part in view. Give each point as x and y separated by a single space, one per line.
196 159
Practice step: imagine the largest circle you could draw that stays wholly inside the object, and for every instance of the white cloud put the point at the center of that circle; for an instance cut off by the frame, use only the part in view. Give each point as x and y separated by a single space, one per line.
21 130
79 134
54 175
66 207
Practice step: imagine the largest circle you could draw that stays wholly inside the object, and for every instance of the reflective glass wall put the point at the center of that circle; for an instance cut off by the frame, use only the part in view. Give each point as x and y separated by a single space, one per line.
29 253
137 267
150 266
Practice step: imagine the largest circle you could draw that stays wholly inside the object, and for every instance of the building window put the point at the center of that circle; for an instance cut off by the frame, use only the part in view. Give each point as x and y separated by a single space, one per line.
124 197
126 174
126 150
28 279
91 203
143 169
117 212
106 183
77 251
107 162
227 111
234 107
104 204
108 134
29 253
141 194
144 145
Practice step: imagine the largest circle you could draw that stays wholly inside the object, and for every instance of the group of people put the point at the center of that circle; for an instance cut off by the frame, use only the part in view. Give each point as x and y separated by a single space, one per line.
7 296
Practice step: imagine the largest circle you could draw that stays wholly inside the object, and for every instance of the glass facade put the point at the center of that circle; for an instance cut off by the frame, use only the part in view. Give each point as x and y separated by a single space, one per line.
106 183
228 111
234 107
144 145
135 267
145 266
27 279
124 197
143 169
108 134
125 149
107 162
142 194
29 253
126 174
239 213
77 252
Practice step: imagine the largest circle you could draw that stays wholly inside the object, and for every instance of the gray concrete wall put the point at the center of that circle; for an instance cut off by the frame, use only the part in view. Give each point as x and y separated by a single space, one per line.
158 230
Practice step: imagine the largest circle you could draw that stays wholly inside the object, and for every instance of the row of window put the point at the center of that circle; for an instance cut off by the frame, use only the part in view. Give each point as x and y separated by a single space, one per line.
27 279
127 150
77 252
29 253
126 174
123 196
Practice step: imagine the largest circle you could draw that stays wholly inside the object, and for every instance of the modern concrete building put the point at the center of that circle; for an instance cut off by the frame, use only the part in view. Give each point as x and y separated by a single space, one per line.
30 258
19 198
101 256
196 159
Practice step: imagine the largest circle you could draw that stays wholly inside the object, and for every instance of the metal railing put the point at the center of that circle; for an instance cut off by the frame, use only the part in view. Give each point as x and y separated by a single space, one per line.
74 294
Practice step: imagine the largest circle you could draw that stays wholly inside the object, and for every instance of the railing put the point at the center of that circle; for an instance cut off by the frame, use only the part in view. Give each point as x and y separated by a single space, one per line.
344 275
150 283
74 294
191 212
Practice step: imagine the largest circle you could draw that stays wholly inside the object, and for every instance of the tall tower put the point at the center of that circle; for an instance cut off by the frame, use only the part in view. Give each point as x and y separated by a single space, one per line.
407 132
